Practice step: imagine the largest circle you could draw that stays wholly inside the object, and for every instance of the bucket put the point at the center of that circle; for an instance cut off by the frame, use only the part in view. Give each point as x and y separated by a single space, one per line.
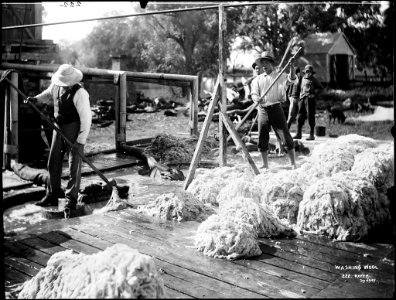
320 130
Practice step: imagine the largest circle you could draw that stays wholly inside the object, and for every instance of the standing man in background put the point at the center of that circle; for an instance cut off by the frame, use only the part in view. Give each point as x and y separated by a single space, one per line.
293 94
307 103
72 112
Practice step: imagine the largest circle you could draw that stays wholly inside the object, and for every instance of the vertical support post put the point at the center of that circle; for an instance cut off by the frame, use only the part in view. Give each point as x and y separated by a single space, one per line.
116 82
7 127
223 89
14 114
123 114
194 108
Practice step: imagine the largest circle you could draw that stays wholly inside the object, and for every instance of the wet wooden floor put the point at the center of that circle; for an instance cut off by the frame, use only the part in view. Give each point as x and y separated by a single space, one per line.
299 267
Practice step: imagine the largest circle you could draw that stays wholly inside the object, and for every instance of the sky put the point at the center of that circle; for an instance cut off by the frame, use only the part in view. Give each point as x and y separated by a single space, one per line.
57 12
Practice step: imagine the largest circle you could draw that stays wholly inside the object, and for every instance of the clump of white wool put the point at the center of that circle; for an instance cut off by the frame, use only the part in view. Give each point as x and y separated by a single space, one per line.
207 185
327 208
117 272
366 194
355 143
177 206
228 238
239 188
282 192
247 210
377 166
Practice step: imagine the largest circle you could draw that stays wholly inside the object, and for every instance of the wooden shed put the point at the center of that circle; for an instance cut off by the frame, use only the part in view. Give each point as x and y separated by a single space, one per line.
332 56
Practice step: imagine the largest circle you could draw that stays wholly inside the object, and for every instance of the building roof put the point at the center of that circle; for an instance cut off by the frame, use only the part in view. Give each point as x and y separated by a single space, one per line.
329 43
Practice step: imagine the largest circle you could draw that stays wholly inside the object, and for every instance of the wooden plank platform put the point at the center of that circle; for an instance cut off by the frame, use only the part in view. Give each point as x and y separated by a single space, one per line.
301 267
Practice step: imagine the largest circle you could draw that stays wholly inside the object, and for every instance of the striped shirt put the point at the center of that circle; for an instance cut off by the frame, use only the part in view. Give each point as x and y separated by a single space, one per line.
82 104
276 94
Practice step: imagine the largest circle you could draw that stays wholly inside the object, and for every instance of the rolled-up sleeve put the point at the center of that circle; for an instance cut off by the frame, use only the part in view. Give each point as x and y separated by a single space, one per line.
255 91
46 95
83 106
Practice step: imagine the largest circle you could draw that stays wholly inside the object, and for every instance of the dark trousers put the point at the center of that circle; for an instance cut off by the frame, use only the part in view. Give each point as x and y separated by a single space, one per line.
306 107
273 116
57 152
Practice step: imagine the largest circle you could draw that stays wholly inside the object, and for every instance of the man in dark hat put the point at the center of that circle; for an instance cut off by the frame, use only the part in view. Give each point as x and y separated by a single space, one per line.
307 103
270 112
72 112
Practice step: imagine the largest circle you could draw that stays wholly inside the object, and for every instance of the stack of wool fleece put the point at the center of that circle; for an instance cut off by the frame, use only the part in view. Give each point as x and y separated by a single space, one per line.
240 187
207 184
283 192
234 232
328 209
178 206
377 166
364 192
334 156
117 272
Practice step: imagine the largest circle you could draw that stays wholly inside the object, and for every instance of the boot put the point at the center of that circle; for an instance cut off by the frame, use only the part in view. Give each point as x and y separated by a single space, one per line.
69 208
299 133
48 200
311 135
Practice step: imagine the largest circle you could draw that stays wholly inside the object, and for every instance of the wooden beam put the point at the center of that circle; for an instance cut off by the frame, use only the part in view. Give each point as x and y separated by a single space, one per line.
202 136
223 89
238 141
14 113
30 34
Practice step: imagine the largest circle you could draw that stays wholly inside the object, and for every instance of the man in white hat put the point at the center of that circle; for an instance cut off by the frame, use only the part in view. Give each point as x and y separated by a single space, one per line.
72 112
270 112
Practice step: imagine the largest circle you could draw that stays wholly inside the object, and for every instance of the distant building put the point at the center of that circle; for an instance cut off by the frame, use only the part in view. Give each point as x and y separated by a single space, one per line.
25 45
331 54
332 57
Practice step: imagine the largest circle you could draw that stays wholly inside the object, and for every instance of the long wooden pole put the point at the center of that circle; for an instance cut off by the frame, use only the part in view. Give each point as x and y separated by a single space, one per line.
202 135
223 90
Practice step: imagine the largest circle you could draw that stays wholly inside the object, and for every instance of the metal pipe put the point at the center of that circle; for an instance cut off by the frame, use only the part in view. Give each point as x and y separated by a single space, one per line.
134 15
101 72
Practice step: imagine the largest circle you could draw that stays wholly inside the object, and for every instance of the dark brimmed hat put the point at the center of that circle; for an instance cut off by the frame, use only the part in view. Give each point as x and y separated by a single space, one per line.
308 68
259 61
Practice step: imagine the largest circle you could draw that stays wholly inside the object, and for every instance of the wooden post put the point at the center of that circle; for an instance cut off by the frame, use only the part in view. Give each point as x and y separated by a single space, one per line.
202 136
238 141
122 106
194 108
223 90
7 127
117 112
14 115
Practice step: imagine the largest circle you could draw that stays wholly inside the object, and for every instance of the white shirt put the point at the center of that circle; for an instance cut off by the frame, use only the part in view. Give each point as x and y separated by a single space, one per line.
83 107
278 91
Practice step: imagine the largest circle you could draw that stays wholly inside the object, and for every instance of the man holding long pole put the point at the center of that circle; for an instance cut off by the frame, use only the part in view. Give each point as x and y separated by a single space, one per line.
269 107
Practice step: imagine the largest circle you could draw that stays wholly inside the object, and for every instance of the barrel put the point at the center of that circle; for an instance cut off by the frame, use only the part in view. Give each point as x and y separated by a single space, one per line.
320 130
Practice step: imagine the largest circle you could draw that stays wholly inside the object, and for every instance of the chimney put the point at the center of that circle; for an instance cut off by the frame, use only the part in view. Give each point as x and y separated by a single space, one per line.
118 62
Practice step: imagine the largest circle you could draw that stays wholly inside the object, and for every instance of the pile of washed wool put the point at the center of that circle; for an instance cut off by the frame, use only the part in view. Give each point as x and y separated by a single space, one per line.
283 192
240 187
233 233
208 183
364 192
223 237
328 209
334 156
377 166
117 272
177 206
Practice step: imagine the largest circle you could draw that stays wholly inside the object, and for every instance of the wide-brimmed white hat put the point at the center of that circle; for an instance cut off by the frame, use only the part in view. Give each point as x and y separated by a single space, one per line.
66 75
